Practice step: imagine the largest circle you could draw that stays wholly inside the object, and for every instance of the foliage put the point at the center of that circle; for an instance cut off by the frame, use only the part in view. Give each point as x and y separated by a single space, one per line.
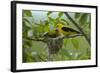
73 48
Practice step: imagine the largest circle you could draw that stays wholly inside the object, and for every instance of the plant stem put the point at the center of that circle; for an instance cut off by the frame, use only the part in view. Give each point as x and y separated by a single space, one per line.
77 25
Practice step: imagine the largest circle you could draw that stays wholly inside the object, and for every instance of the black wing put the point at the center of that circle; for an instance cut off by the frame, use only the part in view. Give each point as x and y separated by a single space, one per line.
67 29
50 35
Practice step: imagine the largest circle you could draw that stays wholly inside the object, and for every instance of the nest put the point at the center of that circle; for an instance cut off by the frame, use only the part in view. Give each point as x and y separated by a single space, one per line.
54 44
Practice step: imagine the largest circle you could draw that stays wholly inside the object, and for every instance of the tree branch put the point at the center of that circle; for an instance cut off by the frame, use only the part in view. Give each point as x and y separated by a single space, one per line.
59 37
35 39
77 25
70 36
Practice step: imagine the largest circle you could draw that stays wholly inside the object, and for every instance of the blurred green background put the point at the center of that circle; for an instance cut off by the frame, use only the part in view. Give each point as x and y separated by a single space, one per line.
36 23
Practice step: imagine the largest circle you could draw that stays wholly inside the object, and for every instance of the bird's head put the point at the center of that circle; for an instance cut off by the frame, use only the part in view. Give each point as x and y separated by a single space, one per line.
59 26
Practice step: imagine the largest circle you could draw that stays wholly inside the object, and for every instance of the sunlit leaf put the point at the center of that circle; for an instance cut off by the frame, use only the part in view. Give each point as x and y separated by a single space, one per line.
46 28
75 43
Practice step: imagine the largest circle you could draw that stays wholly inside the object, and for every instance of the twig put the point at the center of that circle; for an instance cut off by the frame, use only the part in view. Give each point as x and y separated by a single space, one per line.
35 39
77 25
69 36
72 36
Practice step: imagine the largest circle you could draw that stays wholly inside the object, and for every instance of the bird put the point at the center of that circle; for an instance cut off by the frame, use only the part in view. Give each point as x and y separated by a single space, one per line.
66 31
51 33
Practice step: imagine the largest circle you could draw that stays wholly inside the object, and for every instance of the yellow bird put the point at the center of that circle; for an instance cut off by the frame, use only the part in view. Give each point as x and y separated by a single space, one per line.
66 31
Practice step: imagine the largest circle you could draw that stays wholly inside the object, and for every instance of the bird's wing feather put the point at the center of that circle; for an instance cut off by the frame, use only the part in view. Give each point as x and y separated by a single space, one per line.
67 29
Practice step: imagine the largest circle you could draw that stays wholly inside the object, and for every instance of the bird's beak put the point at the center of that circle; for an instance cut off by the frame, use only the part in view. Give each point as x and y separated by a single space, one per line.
57 29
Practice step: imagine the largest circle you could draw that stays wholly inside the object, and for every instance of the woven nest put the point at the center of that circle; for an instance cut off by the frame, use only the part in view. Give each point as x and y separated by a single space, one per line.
54 45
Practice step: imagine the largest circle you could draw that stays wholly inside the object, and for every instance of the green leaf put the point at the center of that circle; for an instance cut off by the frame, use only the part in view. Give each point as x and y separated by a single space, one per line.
67 54
79 56
63 20
89 20
75 43
77 15
60 14
52 20
49 13
27 24
27 13
83 19
46 22
83 57
28 43
26 20
46 28
65 42
57 20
